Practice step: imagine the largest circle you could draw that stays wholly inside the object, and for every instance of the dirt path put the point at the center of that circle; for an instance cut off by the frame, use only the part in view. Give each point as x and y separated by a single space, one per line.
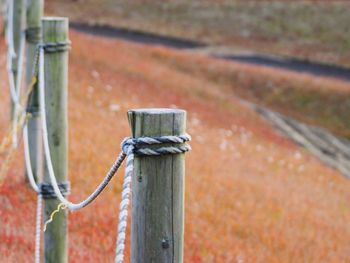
292 64
331 150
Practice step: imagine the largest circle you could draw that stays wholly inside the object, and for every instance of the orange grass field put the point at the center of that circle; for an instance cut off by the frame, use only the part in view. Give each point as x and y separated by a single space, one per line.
251 194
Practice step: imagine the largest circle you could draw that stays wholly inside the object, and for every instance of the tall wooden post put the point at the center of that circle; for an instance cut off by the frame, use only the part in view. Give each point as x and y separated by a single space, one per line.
35 9
157 231
56 79
18 22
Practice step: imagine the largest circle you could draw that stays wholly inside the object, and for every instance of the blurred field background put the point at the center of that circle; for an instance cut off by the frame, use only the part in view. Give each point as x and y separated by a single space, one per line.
312 30
251 194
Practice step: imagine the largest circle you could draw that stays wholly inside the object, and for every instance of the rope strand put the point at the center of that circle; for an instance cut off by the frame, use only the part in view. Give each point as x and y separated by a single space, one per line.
38 229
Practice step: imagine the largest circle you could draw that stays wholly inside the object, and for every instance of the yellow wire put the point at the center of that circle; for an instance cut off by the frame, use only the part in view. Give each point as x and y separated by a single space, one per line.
61 206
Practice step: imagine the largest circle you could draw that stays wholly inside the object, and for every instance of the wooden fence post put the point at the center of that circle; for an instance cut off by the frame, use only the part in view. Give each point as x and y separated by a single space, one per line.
56 80
157 228
35 11
18 16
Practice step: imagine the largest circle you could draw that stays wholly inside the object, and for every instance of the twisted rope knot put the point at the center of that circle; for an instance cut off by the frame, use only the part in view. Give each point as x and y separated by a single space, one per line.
147 145
47 191
53 47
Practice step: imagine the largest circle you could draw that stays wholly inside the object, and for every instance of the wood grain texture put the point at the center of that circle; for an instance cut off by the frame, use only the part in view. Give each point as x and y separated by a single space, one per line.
157 230
56 76
35 9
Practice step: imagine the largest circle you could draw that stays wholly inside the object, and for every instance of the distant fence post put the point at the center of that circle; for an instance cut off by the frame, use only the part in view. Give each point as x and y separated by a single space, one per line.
35 10
55 30
157 231
18 11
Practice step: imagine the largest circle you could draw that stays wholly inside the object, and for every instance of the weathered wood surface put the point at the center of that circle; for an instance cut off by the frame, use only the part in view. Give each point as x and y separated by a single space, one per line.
157 232
35 9
56 77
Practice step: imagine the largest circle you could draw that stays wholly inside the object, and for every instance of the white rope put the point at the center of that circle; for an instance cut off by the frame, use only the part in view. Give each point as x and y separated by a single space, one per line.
38 229
28 161
108 177
15 84
11 54
124 204
9 30
128 150
17 105
36 188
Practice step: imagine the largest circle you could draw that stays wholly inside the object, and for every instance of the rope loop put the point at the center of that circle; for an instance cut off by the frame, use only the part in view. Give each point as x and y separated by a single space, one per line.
47 191
54 47
33 35
169 144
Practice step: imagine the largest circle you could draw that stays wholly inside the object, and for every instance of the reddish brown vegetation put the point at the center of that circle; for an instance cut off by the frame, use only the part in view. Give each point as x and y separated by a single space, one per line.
251 195
312 30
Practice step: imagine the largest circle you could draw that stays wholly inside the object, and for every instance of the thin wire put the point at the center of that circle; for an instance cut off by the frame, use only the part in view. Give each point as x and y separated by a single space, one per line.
60 207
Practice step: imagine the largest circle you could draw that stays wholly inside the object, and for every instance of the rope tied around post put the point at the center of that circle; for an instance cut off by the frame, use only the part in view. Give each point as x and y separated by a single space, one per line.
47 191
142 146
137 145
53 47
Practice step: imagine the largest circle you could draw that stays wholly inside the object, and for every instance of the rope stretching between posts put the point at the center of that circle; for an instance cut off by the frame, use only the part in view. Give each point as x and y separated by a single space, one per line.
130 147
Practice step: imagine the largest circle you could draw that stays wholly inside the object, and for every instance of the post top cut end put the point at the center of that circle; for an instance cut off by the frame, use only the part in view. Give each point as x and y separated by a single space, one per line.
55 18
155 122
156 111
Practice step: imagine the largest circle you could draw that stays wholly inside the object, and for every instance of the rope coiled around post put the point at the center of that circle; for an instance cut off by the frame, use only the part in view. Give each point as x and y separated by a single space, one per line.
47 191
53 47
142 146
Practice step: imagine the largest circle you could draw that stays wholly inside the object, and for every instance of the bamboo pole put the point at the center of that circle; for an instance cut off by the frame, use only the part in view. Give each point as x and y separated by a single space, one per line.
35 11
56 77
157 228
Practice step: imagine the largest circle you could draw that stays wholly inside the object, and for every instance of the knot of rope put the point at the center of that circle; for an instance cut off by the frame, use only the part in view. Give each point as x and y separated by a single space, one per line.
156 145
47 191
53 47
33 35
